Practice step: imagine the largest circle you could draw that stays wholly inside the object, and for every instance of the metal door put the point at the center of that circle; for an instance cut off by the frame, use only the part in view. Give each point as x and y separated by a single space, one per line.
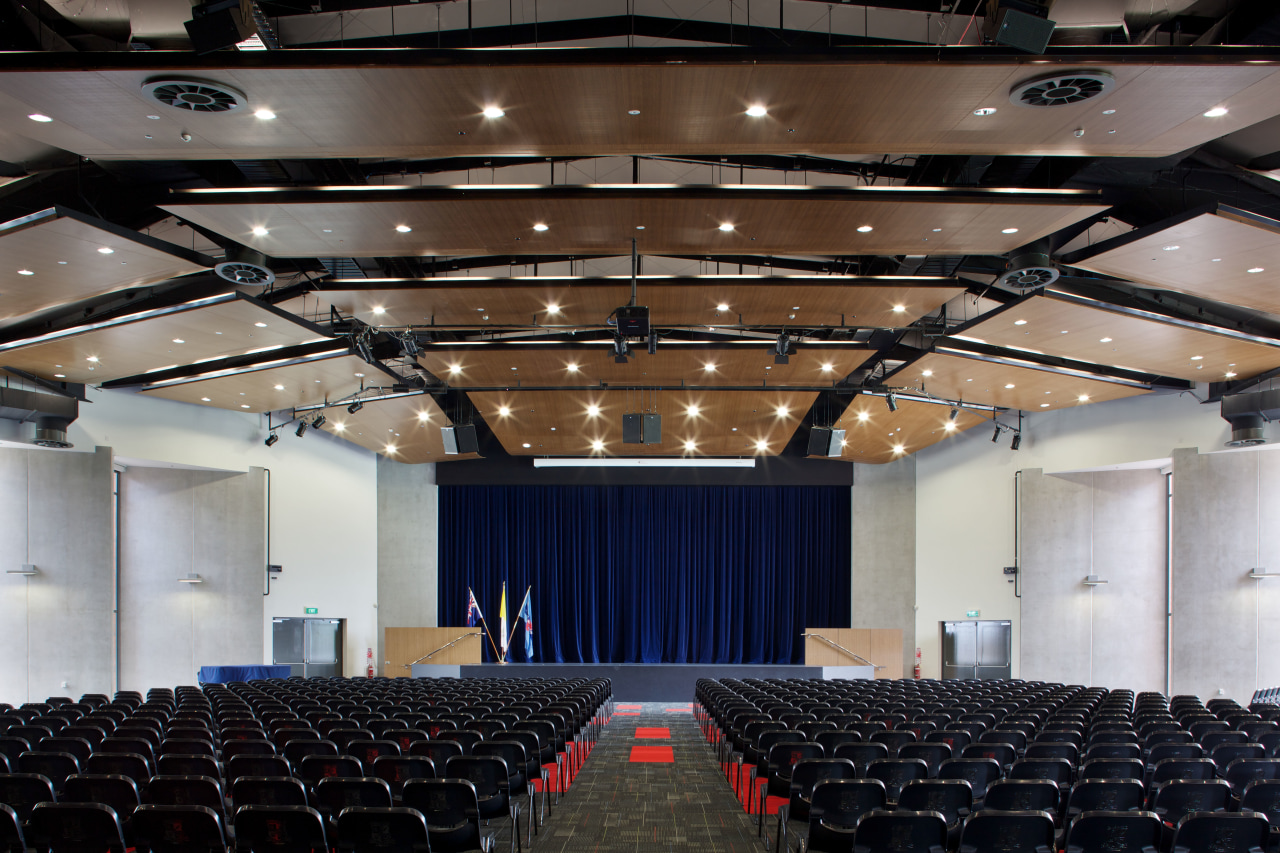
977 649
308 646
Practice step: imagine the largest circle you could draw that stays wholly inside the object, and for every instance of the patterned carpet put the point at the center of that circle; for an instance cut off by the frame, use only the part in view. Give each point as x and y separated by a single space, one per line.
651 783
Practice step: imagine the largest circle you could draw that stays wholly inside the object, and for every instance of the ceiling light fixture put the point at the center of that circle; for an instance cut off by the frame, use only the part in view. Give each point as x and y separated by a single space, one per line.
356 405
726 226
692 410
319 421
264 114
762 445
597 445
722 307
302 429
709 367
179 341
926 373
25 272
757 111
378 309
424 416
898 448
260 325
40 117
891 400
949 425
1171 248
1083 398
553 308
954 412
864 229
1016 442
572 367
782 411
1256 269
259 231
593 410
1104 340
503 411
1216 112
864 415
899 309
1009 385
271 439
106 250
494 112
540 226
985 111
403 229
827 368
1008 230
690 445
646 462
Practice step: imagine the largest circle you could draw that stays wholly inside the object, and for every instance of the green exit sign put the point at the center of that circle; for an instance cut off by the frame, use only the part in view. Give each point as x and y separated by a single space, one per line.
972 614
312 611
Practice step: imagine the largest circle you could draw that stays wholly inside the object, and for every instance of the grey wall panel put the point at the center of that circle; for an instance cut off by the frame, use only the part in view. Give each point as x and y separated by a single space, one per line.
407 549
1226 523
883 564
57 515
1111 524
175 522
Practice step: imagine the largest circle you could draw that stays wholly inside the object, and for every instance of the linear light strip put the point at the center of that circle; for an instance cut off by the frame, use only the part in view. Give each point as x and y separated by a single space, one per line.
654 462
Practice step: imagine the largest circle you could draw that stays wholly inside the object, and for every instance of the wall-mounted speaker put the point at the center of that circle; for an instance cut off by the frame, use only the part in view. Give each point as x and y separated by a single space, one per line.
460 439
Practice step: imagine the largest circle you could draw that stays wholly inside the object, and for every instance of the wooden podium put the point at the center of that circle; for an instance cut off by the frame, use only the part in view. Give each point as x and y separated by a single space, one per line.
881 646
403 646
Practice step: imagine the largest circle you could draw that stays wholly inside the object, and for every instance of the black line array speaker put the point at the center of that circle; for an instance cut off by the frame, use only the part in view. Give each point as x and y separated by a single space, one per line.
642 429
826 442
1022 30
215 26
460 439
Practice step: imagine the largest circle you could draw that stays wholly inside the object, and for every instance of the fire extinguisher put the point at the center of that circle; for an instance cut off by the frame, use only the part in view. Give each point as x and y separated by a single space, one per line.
919 658
369 657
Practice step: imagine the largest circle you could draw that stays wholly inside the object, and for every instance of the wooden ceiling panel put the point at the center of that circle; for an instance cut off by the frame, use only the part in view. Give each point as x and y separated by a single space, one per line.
192 333
673 364
1216 257
1072 330
414 104
724 423
797 301
362 222
405 428
59 254
875 435
274 387
1005 385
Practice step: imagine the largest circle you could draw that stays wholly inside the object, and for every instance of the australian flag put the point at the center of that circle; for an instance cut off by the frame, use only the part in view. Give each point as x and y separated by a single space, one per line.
474 616
526 613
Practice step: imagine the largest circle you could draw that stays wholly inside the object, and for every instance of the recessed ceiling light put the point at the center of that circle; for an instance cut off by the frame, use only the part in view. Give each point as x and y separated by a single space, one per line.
360 376
1215 260
926 373
722 307
692 410
92 358
571 367
1171 248
762 445
25 272
378 309
260 325
553 308
279 387
597 445
455 368
391 448
1230 373
540 226
936 230
726 226
709 367
494 112
503 411
691 445
985 111
205 400
106 250
64 376
1256 269
1008 230
424 416
757 111
1083 398
949 425
244 405
1010 385
327 230
1197 357
593 410
782 411
179 341
259 231
898 309
1064 332
864 416
339 426
1216 112
154 118
1044 405
526 444
1104 340
639 227
40 117
630 113
403 229
827 368
898 448
1019 322
864 229
264 114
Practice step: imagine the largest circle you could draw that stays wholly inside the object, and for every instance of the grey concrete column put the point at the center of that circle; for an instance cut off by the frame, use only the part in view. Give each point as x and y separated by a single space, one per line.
407 547
883 564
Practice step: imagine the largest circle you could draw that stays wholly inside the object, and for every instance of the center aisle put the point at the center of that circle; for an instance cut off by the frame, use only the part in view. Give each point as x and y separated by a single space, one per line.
651 783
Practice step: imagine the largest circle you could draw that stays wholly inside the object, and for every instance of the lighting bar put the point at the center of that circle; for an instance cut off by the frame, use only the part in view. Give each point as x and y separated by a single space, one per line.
654 462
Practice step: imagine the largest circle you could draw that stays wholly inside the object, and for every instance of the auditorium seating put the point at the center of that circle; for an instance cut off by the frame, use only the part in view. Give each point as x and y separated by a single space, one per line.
1058 767
339 763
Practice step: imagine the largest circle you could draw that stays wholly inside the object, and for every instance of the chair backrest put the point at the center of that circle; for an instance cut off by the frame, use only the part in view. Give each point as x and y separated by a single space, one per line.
439 751
1112 795
296 750
1112 768
268 791
313 768
896 772
335 794
809 771
1056 769
487 773
952 798
449 807
1114 832
1003 753
1225 753
957 739
119 792
997 830
1053 749
511 752
862 754
1238 832
784 756
978 772
1263 796
178 829
77 826
392 829
1180 797
256 765
11 836
279 829
1181 768
901 830
57 766
842 802
368 750
1022 795
179 764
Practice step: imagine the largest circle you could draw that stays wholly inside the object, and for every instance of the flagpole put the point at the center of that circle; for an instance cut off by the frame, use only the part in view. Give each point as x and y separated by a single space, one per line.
482 622
516 625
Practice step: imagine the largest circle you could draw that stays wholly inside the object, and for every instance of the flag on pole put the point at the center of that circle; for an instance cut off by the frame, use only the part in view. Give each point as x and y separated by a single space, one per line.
526 613
474 616
502 616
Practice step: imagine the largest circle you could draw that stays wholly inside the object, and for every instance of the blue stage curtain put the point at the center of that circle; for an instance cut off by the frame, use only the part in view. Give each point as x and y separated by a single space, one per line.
639 574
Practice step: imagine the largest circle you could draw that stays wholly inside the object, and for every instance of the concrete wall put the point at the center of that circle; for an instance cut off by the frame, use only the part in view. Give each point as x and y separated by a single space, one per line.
884 550
56 628
407 549
1226 626
1111 524
174 522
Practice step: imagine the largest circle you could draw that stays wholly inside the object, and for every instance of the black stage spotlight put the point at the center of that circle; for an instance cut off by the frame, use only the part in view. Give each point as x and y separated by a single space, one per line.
954 412
318 422
996 436
271 439
302 429
782 349
891 400
1017 441
653 342
620 349
355 407
409 346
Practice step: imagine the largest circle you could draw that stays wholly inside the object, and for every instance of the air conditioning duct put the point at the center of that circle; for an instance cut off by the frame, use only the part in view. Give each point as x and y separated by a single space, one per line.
52 413
1247 413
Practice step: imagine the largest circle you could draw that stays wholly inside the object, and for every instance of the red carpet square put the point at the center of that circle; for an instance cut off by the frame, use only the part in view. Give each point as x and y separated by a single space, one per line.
676 710
630 707
656 754
662 733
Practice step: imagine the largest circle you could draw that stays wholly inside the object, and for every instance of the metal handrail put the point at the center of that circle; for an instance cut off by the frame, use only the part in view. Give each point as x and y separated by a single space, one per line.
452 642
836 645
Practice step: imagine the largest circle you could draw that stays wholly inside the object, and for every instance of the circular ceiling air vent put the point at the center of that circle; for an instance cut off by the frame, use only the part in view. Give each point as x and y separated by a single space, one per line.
1061 89
1027 271
197 96
240 272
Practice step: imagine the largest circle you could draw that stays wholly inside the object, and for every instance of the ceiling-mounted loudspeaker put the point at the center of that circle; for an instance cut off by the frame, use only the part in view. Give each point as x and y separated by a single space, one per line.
633 321
1023 30
826 442
1028 271
641 429
245 267
460 439
218 25
196 96
1063 88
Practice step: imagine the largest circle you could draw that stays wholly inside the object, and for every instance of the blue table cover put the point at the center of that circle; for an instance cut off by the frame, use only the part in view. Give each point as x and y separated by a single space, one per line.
225 674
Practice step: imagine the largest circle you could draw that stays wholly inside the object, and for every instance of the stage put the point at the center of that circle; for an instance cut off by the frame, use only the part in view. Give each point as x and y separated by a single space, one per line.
641 682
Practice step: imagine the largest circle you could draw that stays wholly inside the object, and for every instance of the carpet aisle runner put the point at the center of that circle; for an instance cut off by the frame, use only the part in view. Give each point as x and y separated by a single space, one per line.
651 783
